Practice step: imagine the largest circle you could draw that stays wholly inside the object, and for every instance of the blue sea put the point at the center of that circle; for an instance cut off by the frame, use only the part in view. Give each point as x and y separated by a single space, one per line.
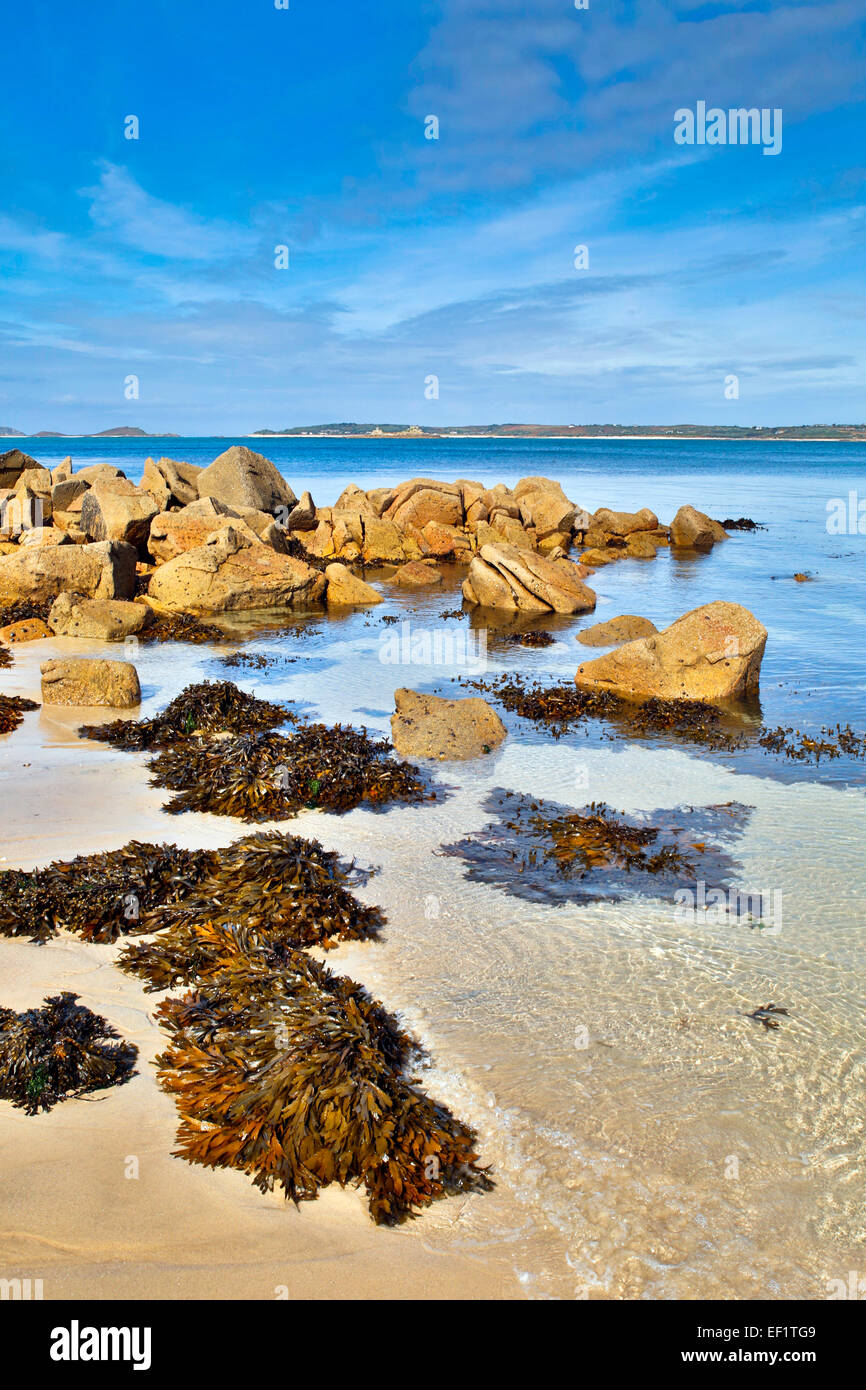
648 1137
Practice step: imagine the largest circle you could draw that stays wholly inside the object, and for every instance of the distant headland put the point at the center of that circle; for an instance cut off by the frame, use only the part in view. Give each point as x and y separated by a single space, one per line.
522 431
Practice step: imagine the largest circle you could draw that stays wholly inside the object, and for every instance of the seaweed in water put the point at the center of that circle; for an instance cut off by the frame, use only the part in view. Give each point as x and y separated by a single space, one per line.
59 1050
209 707
12 707
840 741
525 639
268 776
296 1078
181 627
99 896
767 1014
548 853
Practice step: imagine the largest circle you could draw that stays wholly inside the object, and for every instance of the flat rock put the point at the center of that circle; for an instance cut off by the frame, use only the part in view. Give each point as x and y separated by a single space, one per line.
27 630
346 590
616 631
712 653
103 620
84 682
242 478
425 726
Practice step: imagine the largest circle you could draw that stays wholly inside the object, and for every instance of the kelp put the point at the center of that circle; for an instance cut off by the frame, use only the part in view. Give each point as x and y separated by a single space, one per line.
837 742
181 627
296 1079
59 1050
268 776
208 707
290 890
98 896
24 608
12 708
768 1015
544 852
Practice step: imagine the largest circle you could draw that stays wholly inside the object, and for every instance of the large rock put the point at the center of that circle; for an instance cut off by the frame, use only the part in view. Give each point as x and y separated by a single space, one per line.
78 681
231 572
68 491
544 505
382 542
303 516
180 478
241 478
103 570
422 500
502 576
12 464
154 484
173 533
694 530
99 473
712 653
426 726
346 590
117 511
624 523
417 575
103 620
628 627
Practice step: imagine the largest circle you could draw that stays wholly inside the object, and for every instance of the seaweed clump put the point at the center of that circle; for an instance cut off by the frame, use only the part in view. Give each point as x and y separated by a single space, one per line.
59 1050
540 638
840 741
24 608
181 627
12 707
296 1078
5 657
206 708
268 776
288 888
98 896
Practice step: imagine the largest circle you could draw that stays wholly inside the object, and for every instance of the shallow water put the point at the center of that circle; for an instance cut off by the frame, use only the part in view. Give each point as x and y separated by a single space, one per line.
648 1138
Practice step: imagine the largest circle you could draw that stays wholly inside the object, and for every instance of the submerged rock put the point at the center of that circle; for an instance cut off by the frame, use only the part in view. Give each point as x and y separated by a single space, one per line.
711 654
426 726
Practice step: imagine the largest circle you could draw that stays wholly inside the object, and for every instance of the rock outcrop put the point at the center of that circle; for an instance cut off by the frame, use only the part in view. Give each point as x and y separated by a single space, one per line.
504 577
115 510
242 478
105 569
694 530
713 653
79 681
425 726
232 572
346 590
102 620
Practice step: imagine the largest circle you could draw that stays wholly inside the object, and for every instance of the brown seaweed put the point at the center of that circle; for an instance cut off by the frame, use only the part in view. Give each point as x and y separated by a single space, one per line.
12 707
59 1050
24 608
98 896
768 1015
205 708
268 776
181 627
296 1079
5 657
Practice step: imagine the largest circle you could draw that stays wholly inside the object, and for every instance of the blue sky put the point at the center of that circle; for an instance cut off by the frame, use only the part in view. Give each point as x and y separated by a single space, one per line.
411 257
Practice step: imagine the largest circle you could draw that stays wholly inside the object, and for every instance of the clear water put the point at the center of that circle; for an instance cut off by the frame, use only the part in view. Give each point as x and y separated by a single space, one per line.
649 1139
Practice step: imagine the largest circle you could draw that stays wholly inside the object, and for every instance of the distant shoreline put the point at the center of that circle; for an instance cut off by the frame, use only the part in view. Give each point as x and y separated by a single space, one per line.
768 438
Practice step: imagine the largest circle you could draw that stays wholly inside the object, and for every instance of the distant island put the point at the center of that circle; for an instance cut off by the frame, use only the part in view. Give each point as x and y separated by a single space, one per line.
119 432
352 430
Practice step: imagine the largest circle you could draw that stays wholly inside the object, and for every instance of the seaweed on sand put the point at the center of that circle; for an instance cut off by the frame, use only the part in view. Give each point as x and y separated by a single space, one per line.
268 776
5 657
59 1050
208 707
99 896
544 852
296 1079
290 890
181 627
12 707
